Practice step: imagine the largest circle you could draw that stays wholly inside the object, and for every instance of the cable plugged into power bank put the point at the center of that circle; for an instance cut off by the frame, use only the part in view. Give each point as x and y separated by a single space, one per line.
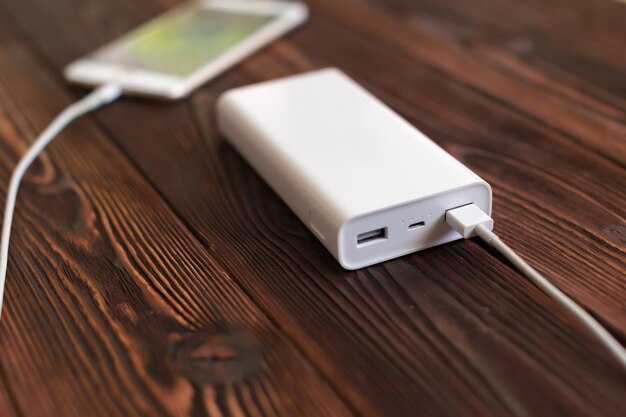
101 96
469 220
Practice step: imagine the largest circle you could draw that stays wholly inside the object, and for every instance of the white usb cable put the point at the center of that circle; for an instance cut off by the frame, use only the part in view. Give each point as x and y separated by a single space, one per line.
98 98
470 221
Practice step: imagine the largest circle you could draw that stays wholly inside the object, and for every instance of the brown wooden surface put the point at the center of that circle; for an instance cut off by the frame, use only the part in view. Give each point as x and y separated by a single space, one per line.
153 273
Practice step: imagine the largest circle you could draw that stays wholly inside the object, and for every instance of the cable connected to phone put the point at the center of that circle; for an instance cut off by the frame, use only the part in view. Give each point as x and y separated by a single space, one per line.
470 220
99 97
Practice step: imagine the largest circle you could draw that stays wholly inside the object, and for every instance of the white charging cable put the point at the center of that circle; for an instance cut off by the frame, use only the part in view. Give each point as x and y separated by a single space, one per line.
99 97
471 221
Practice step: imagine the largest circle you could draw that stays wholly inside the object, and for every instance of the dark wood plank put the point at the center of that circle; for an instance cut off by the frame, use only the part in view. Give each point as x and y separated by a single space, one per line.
536 40
113 308
449 331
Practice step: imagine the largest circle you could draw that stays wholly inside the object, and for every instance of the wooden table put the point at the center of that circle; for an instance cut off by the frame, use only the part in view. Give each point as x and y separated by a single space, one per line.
153 273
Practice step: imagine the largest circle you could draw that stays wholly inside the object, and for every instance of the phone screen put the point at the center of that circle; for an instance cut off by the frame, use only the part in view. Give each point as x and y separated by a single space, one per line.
182 41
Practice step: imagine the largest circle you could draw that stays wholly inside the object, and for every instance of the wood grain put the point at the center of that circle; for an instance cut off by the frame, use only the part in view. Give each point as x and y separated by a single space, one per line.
534 104
113 307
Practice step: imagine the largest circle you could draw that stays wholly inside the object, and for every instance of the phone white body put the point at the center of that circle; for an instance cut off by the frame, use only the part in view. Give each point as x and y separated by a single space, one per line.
170 56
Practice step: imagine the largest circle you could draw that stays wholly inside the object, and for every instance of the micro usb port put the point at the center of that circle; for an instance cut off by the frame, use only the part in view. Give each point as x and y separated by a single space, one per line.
416 225
372 236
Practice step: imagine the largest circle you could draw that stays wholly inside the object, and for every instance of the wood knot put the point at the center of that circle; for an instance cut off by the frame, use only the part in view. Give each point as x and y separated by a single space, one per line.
211 358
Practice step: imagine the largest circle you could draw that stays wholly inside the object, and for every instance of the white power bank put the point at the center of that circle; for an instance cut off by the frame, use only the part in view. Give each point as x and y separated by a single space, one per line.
369 185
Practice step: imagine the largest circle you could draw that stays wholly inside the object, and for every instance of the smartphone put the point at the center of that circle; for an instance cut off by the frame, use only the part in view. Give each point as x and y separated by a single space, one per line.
173 54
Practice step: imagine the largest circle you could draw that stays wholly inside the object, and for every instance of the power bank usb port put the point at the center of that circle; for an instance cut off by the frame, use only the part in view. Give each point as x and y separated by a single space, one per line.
371 236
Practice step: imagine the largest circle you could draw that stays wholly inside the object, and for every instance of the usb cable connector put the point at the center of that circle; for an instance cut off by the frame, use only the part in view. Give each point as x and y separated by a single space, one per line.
466 218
